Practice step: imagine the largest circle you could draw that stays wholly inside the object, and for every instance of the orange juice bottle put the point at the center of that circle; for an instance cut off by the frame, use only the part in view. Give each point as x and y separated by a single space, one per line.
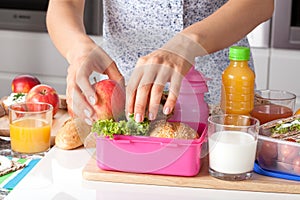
237 93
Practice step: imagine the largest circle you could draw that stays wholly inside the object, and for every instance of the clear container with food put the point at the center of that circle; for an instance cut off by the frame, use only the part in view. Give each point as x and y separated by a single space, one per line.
278 147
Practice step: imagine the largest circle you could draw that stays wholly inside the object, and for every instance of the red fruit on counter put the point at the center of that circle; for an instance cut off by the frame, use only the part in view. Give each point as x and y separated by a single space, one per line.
23 83
44 93
268 150
296 165
286 153
111 99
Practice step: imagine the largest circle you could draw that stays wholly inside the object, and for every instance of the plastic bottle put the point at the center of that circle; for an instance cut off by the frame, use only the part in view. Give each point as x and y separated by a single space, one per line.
191 107
237 93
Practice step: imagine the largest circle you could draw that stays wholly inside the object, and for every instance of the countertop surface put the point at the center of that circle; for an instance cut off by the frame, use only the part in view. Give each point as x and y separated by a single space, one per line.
58 176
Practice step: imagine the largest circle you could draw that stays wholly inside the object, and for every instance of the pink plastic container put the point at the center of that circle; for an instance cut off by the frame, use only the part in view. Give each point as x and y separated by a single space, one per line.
191 107
151 155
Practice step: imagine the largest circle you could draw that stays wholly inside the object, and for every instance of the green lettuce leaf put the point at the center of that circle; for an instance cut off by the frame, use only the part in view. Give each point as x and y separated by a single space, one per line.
109 127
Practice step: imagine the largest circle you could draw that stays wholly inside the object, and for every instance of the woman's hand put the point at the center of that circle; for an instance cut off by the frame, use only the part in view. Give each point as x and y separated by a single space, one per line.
81 95
167 64
148 80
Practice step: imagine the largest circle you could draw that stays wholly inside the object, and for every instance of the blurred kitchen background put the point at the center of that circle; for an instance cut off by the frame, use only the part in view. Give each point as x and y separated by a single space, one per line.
25 46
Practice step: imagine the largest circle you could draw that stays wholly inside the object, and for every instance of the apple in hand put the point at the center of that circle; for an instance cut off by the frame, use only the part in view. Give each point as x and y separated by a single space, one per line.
44 93
111 99
23 83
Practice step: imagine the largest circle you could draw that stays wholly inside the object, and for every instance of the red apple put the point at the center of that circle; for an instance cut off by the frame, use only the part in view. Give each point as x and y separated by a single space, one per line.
44 93
111 99
23 83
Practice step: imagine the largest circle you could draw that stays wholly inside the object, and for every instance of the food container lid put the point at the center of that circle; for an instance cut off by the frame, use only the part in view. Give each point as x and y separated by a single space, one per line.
282 175
196 80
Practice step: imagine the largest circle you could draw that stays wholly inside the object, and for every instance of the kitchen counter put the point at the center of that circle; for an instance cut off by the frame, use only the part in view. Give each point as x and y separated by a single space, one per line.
59 176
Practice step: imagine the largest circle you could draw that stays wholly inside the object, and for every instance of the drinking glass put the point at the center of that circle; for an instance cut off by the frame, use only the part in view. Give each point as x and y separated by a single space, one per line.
273 104
232 141
30 128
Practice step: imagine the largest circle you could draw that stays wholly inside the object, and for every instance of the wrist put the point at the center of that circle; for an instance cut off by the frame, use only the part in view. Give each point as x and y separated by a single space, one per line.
80 48
185 47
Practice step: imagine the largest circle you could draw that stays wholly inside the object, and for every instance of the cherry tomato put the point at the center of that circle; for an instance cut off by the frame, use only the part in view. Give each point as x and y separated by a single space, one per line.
268 150
284 167
296 164
287 153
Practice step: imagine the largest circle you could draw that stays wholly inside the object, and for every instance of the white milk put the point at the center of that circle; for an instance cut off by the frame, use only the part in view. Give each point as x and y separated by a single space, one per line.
232 152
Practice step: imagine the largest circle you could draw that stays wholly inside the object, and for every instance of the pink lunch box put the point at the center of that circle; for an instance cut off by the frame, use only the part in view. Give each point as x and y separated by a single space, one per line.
151 155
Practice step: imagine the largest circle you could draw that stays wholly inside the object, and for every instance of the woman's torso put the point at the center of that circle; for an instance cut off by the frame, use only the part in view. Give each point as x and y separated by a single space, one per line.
135 28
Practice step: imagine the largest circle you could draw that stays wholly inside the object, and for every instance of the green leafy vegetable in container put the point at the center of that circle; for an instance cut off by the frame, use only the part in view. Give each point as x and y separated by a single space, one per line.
109 127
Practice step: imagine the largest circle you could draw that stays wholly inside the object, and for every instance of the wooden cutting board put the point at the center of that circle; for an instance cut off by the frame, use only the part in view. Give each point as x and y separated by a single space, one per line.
258 182
60 117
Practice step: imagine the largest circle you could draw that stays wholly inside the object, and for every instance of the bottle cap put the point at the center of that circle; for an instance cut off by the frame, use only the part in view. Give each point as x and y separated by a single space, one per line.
239 53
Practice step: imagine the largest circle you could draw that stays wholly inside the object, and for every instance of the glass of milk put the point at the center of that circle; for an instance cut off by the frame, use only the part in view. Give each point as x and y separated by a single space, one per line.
232 141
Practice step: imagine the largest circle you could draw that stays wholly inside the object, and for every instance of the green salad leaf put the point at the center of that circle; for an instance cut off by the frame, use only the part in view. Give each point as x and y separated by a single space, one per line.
287 127
17 96
109 127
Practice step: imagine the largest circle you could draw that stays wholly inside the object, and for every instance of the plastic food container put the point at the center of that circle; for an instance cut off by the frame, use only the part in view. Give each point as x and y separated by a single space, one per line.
151 155
278 155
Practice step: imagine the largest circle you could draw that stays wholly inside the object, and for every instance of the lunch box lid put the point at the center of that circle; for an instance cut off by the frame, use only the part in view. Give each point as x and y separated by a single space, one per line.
270 173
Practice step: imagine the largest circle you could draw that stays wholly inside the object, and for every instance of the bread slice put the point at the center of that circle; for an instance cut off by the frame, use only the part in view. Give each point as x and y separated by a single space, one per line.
2 109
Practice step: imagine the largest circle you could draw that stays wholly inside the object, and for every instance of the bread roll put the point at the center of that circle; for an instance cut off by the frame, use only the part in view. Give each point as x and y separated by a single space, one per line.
2 109
177 130
72 134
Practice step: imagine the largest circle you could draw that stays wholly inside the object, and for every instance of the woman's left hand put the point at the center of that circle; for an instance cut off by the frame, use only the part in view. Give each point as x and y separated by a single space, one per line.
148 80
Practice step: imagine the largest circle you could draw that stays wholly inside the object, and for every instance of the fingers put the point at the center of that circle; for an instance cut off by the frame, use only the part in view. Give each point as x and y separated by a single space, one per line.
141 101
87 89
155 98
157 90
174 90
113 73
95 61
131 90
145 89
78 105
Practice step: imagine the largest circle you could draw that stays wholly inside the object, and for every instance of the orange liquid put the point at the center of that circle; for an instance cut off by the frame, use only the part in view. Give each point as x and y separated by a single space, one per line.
266 113
237 94
30 136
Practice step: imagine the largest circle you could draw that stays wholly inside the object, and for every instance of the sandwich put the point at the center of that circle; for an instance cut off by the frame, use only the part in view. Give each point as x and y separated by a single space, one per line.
285 129
176 130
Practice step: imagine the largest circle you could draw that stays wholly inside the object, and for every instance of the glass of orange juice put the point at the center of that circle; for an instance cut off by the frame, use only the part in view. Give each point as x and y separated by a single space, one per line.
270 105
30 128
